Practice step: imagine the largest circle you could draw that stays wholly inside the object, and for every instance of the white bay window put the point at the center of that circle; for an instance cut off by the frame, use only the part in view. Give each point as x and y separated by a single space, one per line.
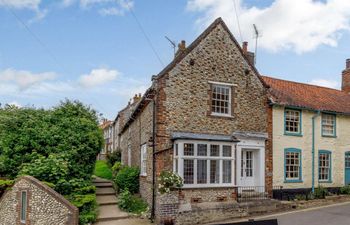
204 163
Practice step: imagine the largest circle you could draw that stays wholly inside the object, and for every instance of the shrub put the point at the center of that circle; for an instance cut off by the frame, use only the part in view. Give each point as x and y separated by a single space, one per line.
131 203
4 185
169 181
87 206
114 157
128 178
320 192
50 169
102 170
116 168
345 190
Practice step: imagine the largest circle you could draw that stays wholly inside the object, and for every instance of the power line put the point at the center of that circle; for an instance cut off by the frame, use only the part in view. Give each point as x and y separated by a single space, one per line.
36 38
44 46
237 18
145 35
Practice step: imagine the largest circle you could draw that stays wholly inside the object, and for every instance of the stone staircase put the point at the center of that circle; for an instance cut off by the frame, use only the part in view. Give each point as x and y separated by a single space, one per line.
109 212
107 202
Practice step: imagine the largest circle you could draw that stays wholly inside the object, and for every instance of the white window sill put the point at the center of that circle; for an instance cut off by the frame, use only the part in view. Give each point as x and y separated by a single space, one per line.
221 115
189 186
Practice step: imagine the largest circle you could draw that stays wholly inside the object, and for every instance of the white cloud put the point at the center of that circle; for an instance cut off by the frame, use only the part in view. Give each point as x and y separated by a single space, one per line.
109 7
14 103
326 83
98 77
67 3
21 4
111 12
24 79
300 26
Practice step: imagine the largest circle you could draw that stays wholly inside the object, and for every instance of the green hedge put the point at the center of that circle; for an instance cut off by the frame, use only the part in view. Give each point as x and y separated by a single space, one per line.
128 179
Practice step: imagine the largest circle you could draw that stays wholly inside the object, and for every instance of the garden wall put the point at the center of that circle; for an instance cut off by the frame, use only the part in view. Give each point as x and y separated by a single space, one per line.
42 206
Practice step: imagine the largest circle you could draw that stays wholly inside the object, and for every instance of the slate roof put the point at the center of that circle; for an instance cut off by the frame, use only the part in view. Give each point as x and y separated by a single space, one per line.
290 93
207 137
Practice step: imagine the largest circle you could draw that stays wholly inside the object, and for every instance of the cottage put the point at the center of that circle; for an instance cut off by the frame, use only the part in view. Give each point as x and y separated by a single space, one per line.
310 127
205 118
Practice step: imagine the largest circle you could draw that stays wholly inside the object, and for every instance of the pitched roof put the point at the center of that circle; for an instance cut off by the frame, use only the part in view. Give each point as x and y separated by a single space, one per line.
289 93
197 41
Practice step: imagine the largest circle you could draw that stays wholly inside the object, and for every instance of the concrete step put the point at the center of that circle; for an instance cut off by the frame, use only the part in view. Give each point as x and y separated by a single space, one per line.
102 185
110 212
130 221
100 180
107 200
105 191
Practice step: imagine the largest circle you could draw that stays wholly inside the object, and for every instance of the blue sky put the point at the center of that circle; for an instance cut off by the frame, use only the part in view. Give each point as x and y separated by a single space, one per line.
94 50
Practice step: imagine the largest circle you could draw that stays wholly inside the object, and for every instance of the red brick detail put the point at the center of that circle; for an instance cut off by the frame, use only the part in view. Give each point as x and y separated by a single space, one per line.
269 153
196 200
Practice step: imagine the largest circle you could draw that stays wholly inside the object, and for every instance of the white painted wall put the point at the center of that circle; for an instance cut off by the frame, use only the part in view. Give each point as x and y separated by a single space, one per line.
338 146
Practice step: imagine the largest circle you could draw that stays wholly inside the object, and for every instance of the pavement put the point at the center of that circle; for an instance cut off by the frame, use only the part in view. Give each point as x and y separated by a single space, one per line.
338 214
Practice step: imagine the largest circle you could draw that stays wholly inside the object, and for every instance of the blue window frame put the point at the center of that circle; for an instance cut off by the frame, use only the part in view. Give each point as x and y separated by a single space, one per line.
324 166
292 165
292 122
329 125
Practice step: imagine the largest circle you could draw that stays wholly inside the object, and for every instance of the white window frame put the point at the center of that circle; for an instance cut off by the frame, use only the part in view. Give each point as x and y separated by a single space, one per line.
129 155
178 165
143 163
328 121
292 120
221 85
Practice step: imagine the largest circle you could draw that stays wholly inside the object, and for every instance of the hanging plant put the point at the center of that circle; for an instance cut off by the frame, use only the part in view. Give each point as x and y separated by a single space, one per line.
169 181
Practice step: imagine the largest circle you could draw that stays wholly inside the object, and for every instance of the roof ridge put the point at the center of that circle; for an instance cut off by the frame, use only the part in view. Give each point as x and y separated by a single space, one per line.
296 82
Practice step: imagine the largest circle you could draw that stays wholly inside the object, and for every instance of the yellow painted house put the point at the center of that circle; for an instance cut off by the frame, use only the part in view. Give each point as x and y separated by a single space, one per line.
310 129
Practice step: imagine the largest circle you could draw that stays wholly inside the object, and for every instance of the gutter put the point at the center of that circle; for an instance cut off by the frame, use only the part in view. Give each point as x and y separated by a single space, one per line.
313 149
153 161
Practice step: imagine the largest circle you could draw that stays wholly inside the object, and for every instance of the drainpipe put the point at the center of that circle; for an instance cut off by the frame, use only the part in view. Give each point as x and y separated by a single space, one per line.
153 161
313 150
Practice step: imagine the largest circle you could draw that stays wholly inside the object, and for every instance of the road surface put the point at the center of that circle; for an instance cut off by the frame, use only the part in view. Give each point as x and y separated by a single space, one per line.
329 215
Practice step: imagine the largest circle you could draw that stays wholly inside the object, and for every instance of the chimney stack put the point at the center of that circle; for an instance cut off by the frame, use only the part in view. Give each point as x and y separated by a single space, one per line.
136 97
346 77
249 55
181 48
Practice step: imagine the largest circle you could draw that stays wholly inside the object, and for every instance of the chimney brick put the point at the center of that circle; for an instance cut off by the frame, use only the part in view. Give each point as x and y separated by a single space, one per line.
346 77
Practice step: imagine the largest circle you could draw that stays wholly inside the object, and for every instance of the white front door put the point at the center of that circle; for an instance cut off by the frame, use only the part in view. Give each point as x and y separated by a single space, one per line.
247 167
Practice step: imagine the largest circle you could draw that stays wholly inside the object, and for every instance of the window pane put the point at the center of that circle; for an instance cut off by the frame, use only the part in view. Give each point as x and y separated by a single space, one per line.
292 121
221 99
188 149
227 150
188 171
214 171
292 163
324 166
202 150
328 124
214 150
201 171
227 171
176 149
23 206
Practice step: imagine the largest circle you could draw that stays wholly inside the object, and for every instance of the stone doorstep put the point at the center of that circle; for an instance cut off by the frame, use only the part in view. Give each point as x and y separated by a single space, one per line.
111 212
129 221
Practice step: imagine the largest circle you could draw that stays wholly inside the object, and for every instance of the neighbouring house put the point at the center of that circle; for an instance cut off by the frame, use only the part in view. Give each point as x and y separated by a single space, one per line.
30 202
107 128
310 132
205 117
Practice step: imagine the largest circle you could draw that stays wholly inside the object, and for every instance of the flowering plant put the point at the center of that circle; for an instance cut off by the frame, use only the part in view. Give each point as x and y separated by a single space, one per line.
169 181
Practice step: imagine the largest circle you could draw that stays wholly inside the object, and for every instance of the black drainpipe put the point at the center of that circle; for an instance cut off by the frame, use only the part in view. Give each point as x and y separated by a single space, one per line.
153 161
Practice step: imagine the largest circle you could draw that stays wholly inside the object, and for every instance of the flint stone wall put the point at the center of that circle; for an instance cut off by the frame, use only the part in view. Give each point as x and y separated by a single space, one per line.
44 205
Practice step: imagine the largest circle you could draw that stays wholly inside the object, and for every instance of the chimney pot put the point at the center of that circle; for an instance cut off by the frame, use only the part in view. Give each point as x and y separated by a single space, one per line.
245 47
346 77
